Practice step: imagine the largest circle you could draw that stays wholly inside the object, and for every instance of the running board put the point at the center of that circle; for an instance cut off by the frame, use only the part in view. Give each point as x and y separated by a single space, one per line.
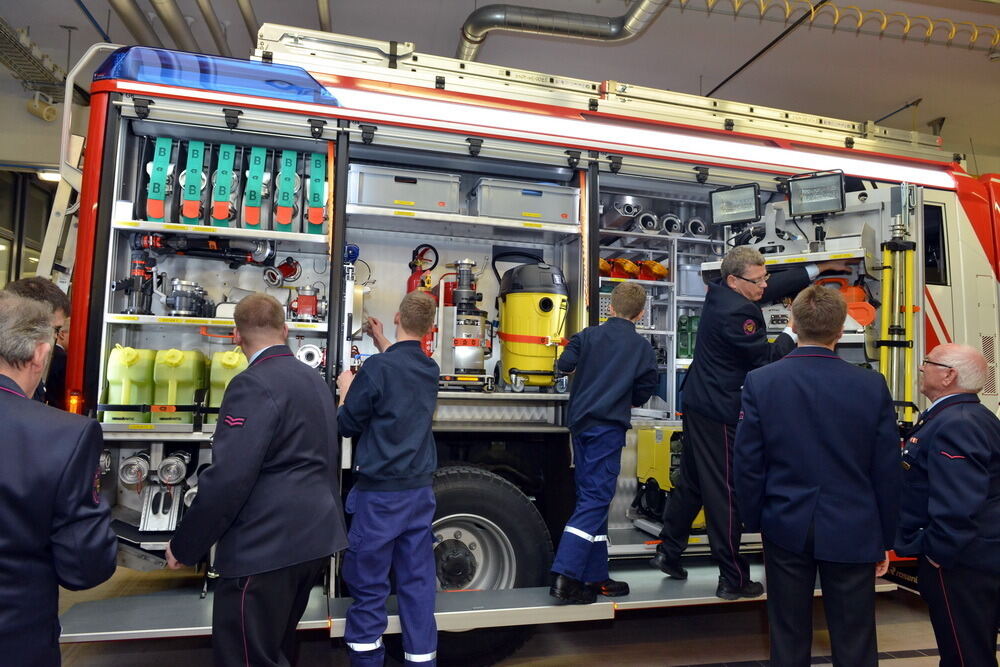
174 613
183 613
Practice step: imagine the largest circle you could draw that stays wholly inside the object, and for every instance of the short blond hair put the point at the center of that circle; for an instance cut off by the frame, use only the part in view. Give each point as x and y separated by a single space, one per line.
258 316
416 313
628 300
819 313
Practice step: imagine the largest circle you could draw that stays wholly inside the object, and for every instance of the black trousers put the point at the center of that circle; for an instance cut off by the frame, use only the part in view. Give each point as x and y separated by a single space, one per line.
964 606
848 597
706 479
254 618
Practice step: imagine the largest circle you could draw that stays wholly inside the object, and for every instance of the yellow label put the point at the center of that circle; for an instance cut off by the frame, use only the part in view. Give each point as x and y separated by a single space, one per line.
180 228
466 378
842 255
617 280
125 318
403 213
532 224
141 427
531 215
305 326
400 202
130 223
169 320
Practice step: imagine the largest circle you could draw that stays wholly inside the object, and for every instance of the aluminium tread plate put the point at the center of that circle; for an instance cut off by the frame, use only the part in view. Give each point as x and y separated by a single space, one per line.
172 613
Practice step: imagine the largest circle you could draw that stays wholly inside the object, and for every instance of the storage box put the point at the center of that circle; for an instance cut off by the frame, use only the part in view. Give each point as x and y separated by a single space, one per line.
517 200
402 188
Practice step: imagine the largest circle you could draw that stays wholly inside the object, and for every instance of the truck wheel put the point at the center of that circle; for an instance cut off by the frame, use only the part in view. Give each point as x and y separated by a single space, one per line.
488 536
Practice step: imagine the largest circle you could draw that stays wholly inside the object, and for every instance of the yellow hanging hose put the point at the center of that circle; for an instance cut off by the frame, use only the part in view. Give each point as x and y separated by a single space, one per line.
908 351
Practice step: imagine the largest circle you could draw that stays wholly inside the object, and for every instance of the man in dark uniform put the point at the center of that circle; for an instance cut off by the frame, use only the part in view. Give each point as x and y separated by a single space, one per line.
732 341
56 529
47 292
816 465
270 499
388 408
951 506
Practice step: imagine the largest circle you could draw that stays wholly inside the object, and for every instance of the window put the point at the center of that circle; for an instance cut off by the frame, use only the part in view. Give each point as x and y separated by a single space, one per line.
5 253
8 200
935 246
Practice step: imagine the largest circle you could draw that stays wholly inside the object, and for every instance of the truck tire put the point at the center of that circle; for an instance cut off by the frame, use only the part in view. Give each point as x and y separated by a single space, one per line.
489 536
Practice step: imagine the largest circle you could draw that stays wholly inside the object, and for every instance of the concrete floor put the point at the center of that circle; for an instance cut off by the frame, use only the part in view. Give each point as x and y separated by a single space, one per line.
709 635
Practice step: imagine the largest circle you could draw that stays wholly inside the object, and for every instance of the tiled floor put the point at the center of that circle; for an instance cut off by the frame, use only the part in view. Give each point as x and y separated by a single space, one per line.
730 634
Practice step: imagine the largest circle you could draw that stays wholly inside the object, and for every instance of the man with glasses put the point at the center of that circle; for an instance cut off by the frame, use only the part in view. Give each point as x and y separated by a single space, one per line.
731 342
47 292
950 516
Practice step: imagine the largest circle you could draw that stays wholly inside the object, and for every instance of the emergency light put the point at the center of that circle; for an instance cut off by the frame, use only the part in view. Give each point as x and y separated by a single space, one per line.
735 205
816 194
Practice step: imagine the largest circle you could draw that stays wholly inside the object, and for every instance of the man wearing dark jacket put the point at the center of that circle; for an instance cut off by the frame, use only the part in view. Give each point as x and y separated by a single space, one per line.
816 463
52 388
270 499
56 529
951 506
614 369
731 341
388 408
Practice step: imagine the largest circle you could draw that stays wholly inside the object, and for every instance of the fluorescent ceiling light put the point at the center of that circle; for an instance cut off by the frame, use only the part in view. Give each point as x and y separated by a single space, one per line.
50 176
611 136
33 260
2 247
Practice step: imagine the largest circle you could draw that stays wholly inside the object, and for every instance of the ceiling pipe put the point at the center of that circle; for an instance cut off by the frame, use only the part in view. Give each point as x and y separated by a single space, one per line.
214 27
135 22
325 24
250 19
175 23
514 18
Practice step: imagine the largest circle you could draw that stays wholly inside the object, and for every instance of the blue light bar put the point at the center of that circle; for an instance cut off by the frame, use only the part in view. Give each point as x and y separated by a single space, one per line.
214 73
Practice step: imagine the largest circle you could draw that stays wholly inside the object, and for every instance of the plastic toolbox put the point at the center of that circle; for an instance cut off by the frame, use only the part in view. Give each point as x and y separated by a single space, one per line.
389 187
497 198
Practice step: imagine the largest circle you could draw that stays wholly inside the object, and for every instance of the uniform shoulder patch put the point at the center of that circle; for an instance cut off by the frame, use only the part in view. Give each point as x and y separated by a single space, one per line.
234 422
951 456
749 327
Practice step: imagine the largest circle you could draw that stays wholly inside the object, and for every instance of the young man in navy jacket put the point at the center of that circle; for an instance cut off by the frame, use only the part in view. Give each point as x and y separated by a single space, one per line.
614 369
388 408
950 515
816 461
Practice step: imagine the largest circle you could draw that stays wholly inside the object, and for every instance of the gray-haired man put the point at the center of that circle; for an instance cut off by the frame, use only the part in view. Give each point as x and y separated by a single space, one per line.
56 529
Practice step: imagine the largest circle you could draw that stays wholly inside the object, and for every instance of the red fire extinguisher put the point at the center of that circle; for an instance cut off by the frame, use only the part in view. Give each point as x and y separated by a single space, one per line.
420 275
420 278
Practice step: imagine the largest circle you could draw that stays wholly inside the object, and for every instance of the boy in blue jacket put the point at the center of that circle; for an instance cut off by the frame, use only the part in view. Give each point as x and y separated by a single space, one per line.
387 408
614 369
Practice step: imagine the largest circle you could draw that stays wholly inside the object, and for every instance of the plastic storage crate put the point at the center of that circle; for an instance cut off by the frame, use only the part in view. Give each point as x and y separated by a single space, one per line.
389 187
517 200
646 322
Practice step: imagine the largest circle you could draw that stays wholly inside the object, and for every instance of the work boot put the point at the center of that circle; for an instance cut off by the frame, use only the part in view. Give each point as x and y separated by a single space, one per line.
727 591
668 567
609 588
571 591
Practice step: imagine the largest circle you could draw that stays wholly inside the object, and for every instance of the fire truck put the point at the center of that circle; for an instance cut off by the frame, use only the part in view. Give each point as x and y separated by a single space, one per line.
336 173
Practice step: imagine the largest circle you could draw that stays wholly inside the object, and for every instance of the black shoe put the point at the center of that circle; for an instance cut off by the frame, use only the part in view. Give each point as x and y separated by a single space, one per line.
727 591
668 567
570 591
610 588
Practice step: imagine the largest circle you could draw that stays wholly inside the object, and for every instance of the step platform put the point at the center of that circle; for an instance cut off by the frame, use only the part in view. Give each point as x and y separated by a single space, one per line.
184 613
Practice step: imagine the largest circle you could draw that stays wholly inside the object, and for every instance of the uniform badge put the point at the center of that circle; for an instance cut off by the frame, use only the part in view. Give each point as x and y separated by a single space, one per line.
914 439
749 327
97 486
234 422
741 415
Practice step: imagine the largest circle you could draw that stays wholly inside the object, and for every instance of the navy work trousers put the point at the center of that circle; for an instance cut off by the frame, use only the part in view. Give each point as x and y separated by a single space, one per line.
391 530
583 548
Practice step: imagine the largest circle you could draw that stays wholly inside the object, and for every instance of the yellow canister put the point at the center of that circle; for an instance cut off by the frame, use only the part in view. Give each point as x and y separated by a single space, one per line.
534 304
177 377
130 382
225 366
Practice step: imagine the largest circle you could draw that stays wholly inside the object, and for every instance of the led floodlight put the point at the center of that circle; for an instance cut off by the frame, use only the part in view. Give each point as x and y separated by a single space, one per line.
736 204
816 194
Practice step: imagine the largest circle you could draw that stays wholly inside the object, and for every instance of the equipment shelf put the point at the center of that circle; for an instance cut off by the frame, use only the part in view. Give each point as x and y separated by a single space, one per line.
455 224
653 283
227 232
803 258
118 318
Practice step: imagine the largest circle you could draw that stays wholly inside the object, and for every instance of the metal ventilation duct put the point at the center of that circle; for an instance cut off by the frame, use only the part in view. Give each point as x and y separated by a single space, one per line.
325 23
28 64
250 19
214 27
514 18
175 23
136 23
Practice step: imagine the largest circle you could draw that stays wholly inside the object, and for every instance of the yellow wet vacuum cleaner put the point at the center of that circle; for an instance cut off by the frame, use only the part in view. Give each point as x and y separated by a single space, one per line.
533 306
